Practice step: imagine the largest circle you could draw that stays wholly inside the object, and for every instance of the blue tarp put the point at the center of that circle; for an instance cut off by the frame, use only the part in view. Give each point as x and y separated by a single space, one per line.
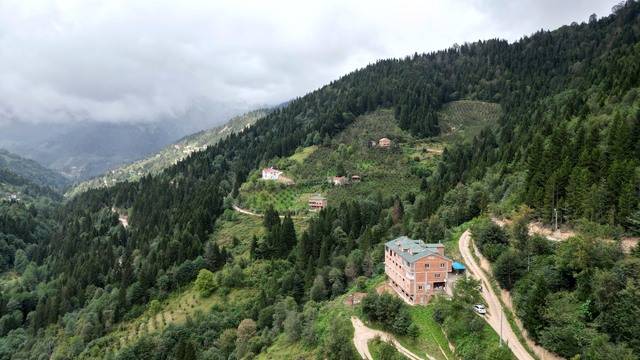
457 266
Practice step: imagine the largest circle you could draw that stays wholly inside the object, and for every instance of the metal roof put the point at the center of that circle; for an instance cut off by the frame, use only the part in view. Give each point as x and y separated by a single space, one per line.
411 250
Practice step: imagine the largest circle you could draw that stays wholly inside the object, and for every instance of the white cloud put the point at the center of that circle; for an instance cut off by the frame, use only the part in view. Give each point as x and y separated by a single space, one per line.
126 60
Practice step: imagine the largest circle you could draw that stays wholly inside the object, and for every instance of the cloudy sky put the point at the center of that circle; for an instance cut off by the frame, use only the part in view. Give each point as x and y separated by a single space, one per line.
130 60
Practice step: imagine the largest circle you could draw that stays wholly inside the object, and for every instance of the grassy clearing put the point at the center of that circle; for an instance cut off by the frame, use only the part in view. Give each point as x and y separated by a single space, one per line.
283 349
384 171
303 153
173 310
460 120
380 349
431 339
238 226
235 230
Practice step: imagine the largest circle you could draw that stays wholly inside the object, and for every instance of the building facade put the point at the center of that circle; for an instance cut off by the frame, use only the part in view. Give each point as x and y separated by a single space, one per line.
416 270
317 202
384 143
339 180
271 174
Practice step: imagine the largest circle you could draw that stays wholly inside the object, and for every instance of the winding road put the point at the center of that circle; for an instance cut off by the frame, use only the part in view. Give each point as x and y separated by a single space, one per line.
495 313
363 334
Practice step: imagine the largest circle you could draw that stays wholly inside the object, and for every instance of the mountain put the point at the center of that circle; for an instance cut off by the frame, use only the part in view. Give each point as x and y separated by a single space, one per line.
170 154
84 149
32 171
179 265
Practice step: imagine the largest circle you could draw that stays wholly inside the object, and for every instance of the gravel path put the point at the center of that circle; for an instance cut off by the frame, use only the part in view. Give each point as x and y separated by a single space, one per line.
363 334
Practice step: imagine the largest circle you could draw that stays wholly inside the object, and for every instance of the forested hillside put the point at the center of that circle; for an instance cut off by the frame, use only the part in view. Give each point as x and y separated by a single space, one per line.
171 154
568 139
32 171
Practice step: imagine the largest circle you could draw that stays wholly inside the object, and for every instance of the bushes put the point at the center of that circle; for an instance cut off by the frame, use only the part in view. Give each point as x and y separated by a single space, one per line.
490 238
390 312
205 282
509 268
383 350
471 335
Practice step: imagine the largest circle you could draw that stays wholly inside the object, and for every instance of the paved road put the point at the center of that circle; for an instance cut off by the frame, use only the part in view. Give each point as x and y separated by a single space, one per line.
362 334
494 308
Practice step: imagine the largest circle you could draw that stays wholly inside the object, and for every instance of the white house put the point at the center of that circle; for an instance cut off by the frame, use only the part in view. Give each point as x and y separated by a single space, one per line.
271 174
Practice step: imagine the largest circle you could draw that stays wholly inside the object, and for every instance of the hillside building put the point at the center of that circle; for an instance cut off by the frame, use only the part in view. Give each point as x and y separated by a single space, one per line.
339 180
416 270
317 202
271 174
384 143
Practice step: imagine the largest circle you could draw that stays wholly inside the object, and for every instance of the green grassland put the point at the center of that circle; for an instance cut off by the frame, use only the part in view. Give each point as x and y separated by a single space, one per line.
431 339
393 171
376 347
385 171
234 231
460 120
173 311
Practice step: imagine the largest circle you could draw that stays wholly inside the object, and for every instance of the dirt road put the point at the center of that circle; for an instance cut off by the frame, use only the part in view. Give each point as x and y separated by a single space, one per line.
244 211
251 213
362 334
494 308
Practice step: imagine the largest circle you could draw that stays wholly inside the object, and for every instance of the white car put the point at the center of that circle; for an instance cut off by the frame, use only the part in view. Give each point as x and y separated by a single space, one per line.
480 309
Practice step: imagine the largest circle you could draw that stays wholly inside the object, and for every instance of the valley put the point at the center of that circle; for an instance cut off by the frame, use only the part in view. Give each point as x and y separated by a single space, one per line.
400 211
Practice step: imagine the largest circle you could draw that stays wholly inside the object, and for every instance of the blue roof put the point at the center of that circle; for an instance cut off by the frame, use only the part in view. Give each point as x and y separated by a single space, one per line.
457 266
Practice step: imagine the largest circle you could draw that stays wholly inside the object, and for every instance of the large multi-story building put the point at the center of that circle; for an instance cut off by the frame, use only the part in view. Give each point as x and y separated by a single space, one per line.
416 270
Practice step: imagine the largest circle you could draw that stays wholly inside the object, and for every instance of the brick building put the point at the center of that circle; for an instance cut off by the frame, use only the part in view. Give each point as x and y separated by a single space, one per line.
416 270
317 202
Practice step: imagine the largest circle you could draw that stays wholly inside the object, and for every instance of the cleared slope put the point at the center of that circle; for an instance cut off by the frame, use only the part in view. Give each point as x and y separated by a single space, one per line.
464 119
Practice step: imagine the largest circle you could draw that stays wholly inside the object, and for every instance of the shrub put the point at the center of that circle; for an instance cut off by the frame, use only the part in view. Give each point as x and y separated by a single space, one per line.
389 311
205 282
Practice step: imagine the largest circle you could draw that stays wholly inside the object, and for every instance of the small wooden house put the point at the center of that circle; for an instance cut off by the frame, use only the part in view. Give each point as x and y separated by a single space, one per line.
317 202
384 143
339 180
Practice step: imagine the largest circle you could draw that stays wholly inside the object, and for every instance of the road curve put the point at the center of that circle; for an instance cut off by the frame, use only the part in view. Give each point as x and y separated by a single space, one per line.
245 211
251 213
362 334
494 307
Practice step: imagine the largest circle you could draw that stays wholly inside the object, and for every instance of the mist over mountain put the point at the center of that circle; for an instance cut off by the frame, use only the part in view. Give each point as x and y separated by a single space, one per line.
84 149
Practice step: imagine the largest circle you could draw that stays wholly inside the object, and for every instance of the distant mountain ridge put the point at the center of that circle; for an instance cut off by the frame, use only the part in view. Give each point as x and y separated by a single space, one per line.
32 171
170 154
83 148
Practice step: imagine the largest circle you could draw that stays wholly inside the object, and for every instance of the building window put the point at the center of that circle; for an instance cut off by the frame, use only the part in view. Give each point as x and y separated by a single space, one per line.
437 275
419 287
426 266
441 265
